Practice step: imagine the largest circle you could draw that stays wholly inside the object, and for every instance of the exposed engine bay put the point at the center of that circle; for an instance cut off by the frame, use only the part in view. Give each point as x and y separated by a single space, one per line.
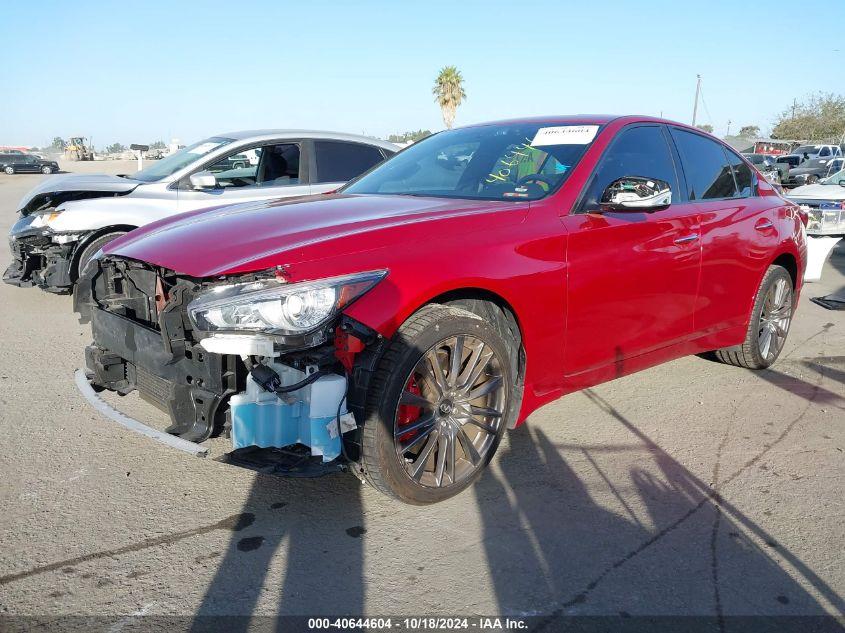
280 391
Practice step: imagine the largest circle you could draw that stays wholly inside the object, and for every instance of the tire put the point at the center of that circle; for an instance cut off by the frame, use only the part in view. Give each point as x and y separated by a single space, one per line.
445 417
755 353
9 170
91 249
46 170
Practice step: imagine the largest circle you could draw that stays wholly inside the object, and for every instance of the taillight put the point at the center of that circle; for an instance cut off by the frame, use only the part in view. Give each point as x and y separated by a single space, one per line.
804 215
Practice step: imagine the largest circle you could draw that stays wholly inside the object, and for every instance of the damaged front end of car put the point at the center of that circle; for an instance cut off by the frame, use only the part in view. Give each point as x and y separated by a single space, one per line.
40 257
261 360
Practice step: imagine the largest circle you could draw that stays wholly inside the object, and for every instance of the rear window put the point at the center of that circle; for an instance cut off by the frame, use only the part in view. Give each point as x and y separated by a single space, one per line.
709 176
742 174
339 162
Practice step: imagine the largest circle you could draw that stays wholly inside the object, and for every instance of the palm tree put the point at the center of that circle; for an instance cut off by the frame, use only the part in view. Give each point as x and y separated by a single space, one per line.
449 92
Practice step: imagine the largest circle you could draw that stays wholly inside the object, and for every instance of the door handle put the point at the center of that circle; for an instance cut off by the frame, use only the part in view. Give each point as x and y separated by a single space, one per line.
763 224
686 238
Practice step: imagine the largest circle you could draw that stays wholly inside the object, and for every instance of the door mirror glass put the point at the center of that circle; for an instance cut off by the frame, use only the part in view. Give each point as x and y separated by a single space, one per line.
635 193
203 180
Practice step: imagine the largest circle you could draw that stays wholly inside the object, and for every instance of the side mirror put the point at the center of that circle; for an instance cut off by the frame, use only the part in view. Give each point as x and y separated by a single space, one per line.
635 193
203 180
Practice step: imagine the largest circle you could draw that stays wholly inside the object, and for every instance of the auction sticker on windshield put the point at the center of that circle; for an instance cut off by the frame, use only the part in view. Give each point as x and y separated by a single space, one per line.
565 135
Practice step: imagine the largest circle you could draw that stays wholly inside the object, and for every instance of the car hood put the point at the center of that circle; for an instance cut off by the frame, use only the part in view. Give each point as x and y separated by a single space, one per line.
818 192
53 188
255 236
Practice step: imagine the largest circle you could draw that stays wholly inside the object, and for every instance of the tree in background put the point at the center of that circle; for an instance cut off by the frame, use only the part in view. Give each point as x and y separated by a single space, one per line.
409 136
749 131
158 145
115 148
706 128
449 93
820 117
59 144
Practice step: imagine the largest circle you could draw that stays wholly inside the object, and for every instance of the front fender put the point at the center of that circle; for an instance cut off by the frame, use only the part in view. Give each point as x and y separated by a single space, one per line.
526 270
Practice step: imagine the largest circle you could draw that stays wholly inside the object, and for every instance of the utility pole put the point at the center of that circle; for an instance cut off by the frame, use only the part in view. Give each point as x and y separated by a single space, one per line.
697 91
793 108
728 131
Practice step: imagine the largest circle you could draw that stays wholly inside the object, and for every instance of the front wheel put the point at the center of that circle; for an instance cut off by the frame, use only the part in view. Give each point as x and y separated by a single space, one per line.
768 326
437 406
46 170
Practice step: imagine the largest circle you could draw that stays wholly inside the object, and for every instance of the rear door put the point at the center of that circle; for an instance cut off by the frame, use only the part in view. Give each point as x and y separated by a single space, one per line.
262 172
337 162
632 276
28 164
737 229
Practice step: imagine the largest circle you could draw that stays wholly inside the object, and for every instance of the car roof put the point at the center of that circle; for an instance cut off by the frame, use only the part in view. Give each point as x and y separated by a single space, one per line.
570 119
588 119
262 135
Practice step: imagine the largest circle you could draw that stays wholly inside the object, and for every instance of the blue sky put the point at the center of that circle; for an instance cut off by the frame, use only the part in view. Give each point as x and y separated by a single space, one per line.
146 70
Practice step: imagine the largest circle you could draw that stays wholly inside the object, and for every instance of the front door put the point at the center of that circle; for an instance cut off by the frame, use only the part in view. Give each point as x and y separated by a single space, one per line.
632 276
260 173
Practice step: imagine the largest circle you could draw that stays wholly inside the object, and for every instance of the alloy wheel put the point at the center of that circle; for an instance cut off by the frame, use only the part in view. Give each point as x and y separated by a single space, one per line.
450 412
774 319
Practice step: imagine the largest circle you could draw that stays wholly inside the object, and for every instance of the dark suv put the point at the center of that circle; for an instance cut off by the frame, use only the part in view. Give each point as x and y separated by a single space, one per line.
26 163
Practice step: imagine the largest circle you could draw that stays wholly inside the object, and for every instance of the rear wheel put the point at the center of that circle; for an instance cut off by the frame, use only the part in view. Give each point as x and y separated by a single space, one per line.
9 170
438 405
768 327
91 249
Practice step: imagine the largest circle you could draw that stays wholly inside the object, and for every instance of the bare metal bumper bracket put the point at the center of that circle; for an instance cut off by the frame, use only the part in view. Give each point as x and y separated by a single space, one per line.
125 421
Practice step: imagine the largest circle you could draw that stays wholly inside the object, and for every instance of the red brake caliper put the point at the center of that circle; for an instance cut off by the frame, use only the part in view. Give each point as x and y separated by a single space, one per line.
407 412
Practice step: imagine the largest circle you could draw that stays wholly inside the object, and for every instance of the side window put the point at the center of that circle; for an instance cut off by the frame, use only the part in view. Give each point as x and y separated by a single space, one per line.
825 151
706 168
339 162
236 170
278 165
638 151
265 166
742 174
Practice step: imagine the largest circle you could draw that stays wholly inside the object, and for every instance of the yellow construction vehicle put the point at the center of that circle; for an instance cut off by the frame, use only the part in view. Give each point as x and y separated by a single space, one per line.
76 149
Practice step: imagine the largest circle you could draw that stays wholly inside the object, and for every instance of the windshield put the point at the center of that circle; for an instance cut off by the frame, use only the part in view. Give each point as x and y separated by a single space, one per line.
807 149
176 161
834 178
490 162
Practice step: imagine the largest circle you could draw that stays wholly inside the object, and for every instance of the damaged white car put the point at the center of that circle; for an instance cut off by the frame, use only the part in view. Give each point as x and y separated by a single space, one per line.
64 221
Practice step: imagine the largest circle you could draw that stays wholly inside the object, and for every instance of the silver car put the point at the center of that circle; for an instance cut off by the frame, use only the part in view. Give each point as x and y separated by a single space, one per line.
65 220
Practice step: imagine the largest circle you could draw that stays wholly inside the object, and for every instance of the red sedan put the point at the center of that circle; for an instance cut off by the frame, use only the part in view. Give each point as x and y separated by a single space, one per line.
403 323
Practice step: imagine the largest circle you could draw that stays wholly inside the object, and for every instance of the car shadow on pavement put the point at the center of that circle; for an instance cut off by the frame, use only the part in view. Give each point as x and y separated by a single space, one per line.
663 542
322 572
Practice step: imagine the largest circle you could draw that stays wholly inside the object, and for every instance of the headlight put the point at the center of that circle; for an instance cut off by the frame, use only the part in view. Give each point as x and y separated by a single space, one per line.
276 308
43 218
